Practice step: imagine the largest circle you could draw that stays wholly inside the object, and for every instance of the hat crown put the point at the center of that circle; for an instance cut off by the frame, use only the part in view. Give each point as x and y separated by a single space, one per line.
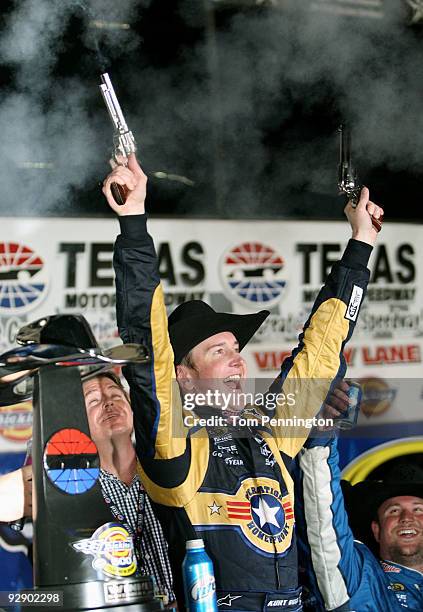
194 321
404 473
192 308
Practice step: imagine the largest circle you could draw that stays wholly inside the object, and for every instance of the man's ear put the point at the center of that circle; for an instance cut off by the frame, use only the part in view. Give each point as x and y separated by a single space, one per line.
185 378
376 530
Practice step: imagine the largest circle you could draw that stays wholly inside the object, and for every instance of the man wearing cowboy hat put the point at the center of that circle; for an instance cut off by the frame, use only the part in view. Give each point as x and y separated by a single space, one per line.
387 515
235 492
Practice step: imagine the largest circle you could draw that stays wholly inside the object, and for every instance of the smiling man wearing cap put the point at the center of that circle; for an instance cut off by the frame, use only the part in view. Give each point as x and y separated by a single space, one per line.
387 515
234 492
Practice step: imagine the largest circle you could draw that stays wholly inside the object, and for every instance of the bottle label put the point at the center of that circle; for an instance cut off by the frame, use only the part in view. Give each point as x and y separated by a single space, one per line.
203 588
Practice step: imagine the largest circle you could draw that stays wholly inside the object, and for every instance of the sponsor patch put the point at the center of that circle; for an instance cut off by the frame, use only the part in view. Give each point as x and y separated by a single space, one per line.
354 303
258 511
390 568
227 600
396 586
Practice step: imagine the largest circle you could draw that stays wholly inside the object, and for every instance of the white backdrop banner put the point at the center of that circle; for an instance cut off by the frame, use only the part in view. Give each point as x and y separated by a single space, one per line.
50 266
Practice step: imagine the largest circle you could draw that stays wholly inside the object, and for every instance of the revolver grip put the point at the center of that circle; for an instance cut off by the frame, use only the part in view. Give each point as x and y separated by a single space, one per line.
354 197
119 192
377 223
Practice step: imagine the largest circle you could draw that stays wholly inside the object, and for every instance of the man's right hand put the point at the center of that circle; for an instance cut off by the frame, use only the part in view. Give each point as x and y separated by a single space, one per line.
360 218
135 180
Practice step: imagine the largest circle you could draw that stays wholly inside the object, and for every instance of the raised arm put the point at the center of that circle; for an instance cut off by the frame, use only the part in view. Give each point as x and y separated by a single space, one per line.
141 317
337 559
318 359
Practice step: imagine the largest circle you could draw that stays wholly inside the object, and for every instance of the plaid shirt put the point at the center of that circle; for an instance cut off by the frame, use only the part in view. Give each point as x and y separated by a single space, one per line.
151 551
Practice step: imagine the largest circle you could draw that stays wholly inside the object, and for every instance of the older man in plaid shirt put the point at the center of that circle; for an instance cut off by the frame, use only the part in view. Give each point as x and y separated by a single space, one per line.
110 420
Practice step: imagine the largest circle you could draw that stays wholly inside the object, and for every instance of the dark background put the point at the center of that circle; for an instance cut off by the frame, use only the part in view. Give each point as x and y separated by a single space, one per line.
242 98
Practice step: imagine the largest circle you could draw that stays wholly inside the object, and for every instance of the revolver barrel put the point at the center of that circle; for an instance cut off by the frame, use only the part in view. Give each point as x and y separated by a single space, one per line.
347 175
123 139
348 182
112 103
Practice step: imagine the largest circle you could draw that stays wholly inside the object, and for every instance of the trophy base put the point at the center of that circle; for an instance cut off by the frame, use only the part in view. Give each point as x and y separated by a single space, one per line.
124 595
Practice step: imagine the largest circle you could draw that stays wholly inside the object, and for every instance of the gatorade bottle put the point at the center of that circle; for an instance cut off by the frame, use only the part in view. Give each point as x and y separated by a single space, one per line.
198 576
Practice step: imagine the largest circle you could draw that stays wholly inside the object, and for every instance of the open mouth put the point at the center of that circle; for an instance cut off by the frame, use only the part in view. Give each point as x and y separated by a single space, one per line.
407 534
233 382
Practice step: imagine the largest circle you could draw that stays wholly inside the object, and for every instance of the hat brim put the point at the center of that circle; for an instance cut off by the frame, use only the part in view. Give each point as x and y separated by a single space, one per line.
186 334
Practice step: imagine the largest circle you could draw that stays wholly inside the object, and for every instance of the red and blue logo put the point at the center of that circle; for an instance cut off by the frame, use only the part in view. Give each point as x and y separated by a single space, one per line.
71 461
22 278
252 273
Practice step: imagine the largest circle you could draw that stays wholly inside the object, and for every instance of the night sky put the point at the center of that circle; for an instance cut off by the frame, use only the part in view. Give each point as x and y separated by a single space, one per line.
238 103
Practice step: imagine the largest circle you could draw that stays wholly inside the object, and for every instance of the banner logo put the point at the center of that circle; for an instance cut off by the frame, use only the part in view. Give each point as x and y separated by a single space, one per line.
22 278
251 274
377 397
16 422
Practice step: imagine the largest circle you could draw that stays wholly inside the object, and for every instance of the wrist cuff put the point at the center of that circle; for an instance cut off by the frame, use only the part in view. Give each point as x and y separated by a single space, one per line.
357 253
133 226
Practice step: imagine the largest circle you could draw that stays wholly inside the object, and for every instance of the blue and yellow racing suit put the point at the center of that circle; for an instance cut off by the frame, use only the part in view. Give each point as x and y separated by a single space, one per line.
235 493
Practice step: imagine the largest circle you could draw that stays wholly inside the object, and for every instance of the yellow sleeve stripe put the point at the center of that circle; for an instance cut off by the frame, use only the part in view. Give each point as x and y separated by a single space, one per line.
171 433
313 370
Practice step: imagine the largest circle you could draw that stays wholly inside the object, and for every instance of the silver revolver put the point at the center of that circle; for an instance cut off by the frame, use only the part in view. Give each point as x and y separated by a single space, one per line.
347 175
123 139
348 182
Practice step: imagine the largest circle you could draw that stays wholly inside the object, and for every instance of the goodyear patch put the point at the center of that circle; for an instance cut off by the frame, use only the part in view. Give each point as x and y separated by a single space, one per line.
396 586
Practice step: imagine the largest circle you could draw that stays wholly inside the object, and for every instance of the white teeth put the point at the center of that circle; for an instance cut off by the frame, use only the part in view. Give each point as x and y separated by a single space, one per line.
408 532
233 377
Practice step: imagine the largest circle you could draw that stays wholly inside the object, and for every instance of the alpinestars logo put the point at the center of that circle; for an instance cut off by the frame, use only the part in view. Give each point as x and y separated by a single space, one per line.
354 303
22 278
251 273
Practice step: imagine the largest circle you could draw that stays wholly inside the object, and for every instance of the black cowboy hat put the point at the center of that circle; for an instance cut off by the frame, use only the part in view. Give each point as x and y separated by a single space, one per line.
363 500
194 321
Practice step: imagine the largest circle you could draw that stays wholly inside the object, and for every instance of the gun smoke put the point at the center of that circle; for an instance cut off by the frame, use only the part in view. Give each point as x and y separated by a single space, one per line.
216 106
